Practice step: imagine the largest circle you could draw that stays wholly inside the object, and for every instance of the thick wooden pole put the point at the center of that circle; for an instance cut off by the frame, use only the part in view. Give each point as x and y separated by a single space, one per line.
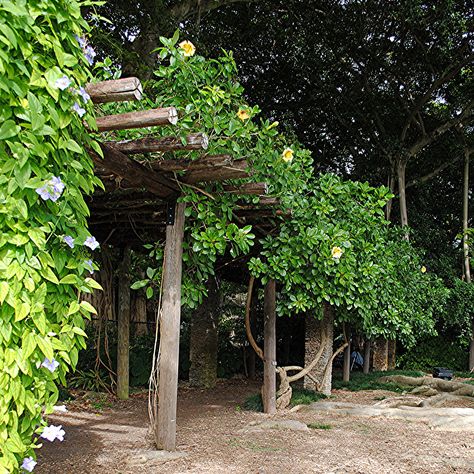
123 323
269 349
165 428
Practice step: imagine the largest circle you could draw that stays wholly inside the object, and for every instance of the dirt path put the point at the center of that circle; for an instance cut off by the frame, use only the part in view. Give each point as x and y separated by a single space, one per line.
209 432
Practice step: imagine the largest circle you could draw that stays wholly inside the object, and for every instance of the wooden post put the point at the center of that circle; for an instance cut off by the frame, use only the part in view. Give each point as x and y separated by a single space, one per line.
269 349
165 428
367 356
123 323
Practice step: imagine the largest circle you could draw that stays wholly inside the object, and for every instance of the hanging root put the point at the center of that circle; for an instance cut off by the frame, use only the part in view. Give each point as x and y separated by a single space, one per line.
248 329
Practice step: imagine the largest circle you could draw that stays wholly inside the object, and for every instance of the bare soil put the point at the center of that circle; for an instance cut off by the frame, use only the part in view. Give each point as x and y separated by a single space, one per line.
109 436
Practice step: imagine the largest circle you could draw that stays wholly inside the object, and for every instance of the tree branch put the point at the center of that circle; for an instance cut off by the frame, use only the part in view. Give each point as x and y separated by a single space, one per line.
433 173
189 8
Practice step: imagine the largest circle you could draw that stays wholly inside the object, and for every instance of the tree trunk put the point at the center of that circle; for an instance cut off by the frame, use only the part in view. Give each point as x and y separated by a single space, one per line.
123 336
269 349
367 348
380 355
314 328
391 354
346 369
140 314
391 186
465 227
401 169
203 340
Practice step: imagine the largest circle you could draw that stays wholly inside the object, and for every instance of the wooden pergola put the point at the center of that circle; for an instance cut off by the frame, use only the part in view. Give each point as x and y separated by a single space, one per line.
141 192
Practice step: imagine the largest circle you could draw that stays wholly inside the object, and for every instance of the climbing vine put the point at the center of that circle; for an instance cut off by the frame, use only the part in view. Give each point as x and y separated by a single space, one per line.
46 252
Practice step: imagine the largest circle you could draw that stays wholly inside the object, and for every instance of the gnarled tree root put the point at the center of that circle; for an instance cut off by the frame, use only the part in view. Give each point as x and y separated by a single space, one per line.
455 388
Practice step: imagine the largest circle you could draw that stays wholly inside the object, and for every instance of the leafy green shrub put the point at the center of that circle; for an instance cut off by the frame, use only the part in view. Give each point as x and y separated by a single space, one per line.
435 352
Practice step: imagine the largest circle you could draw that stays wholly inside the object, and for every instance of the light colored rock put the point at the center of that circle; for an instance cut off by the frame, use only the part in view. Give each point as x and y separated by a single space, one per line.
445 419
292 425
148 456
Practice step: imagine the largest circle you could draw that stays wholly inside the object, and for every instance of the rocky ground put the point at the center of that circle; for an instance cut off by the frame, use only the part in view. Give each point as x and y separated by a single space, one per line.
215 435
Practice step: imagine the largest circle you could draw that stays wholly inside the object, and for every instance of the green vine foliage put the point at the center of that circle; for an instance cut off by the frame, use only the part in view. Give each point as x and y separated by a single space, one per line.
337 248
210 99
44 173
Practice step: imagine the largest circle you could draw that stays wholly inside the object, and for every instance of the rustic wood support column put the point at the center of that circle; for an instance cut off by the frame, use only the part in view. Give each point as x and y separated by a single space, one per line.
367 351
269 349
165 428
123 326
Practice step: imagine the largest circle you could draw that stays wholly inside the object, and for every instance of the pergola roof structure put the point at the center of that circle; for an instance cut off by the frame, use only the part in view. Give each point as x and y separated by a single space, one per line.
138 205
139 182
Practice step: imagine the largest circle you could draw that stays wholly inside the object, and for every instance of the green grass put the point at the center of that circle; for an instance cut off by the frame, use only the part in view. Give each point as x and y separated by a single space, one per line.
360 381
300 397
319 426
465 375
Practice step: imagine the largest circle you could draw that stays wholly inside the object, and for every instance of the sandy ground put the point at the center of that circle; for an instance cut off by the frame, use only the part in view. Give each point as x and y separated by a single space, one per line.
114 439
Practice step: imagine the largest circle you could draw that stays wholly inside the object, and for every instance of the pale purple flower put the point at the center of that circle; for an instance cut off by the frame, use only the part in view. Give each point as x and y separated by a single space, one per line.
51 365
83 93
60 408
82 41
52 189
78 109
44 193
90 54
69 240
28 464
88 264
63 83
53 432
91 242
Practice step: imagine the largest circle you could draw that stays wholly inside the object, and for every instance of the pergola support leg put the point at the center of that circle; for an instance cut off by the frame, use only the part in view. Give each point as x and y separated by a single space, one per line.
123 327
165 427
269 350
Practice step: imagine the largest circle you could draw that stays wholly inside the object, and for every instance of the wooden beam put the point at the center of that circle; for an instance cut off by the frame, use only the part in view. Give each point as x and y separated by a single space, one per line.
248 188
203 163
118 90
237 169
136 175
194 141
165 427
123 327
269 349
140 119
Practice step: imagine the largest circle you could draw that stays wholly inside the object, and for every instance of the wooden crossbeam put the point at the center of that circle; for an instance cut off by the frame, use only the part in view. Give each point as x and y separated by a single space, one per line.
194 141
237 169
118 90
140 119
134 173
203 163
248 188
